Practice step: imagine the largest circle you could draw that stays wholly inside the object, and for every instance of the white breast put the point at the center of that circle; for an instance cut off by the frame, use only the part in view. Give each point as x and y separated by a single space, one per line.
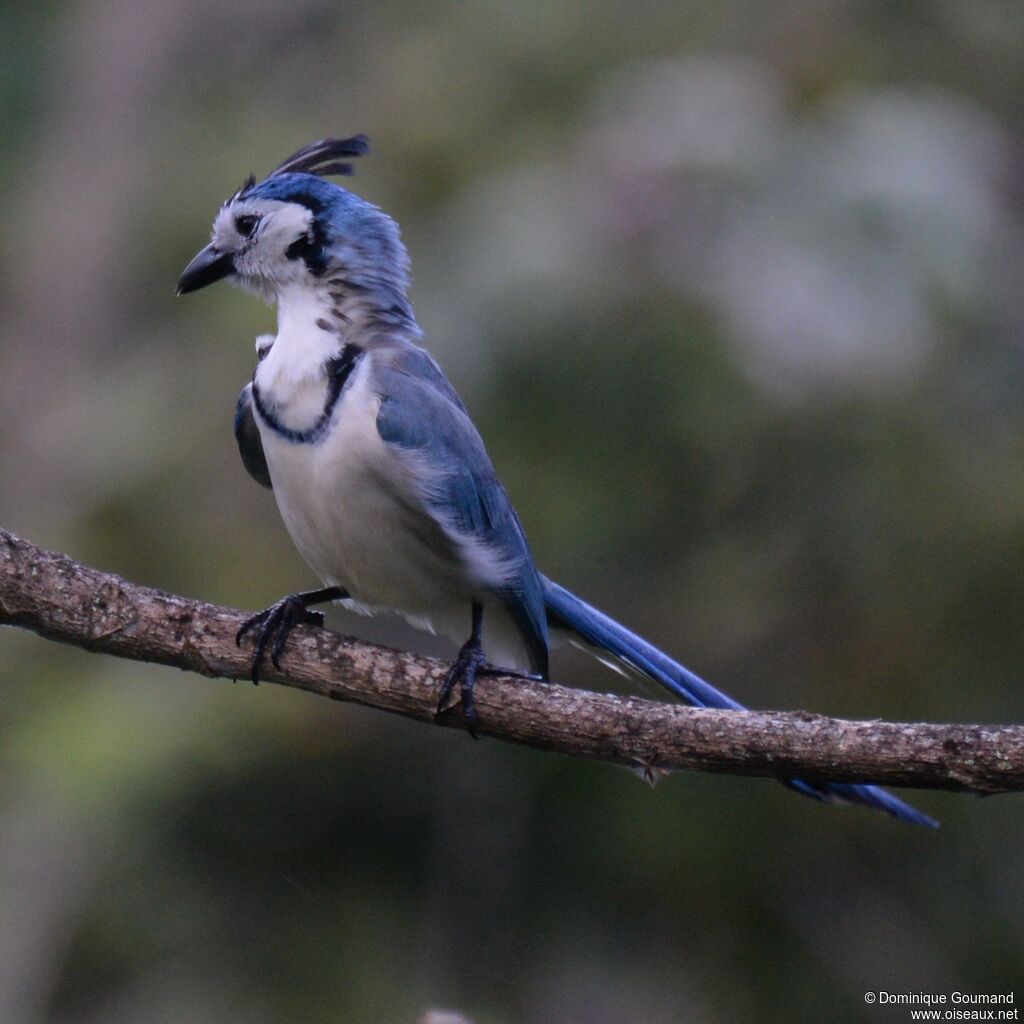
353 513
292 371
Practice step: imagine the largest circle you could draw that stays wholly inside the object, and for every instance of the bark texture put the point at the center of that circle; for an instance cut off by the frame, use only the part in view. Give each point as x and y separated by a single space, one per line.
60 599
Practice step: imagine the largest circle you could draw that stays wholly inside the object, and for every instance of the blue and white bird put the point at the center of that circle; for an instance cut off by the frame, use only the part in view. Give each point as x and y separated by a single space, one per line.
380 476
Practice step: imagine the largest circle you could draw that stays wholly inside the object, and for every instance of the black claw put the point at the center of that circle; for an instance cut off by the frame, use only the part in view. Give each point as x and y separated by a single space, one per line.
464 672
277 648
468 707
446 690
244 628
272 626
262 639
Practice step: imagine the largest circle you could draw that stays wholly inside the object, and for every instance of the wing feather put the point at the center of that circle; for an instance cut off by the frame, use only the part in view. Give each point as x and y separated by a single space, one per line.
247 434
422 418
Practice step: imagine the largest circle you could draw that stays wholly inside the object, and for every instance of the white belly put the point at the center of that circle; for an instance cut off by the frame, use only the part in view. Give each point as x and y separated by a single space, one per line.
353 513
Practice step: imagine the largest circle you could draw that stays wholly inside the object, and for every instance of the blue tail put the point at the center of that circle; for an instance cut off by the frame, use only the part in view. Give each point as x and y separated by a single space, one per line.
569 612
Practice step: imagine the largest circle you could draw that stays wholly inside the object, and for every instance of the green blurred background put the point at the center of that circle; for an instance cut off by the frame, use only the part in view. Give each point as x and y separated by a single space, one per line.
733 292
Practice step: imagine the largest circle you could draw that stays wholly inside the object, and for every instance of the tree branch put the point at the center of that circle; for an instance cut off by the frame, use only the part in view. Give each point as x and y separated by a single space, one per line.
60 599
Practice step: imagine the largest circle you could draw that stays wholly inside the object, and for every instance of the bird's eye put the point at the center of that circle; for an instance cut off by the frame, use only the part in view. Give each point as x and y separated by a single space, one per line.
246 225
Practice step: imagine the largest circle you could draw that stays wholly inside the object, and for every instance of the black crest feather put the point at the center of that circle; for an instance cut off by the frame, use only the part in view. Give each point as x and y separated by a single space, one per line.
323 157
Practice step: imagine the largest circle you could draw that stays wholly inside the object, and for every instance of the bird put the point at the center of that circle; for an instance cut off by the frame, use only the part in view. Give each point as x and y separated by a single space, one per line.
381 478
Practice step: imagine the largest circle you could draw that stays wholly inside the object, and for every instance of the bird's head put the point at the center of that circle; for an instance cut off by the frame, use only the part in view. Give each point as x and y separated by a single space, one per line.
294 228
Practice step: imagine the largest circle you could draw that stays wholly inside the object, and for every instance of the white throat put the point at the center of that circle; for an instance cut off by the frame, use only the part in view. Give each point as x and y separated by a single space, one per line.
292 377
307 336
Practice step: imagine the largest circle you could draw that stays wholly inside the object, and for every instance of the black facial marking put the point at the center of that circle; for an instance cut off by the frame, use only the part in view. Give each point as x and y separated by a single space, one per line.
310 251
311 248
339 371
246 225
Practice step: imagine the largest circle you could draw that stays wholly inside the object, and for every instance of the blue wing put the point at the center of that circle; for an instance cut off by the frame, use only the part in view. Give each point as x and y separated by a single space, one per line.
421 413
247 434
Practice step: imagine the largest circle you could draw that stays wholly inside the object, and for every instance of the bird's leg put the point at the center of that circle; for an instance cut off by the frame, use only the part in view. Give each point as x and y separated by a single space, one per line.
464 673
273 624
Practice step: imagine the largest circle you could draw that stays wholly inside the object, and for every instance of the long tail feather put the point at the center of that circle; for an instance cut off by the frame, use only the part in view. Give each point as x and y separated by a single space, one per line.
597 629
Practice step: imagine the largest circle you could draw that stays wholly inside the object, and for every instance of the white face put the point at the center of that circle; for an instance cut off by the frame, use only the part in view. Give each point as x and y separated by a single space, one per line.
258 234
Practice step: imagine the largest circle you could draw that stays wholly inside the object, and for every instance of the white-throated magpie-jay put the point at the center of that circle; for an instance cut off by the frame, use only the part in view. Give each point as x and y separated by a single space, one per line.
380 476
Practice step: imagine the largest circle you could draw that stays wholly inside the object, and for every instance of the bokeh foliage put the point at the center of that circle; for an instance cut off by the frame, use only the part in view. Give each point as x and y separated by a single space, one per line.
733 293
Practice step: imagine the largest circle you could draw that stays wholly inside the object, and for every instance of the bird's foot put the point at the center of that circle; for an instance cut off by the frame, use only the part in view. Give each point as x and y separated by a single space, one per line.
463 673
272 626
